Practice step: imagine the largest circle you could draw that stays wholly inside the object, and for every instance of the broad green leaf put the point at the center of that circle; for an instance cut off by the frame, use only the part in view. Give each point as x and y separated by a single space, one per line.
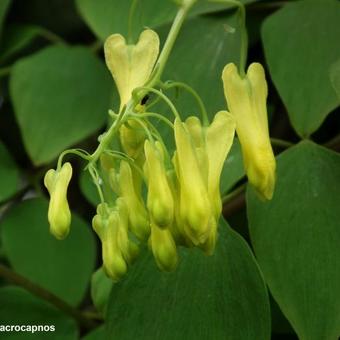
233 169
16 38
335 77
301 41
100 290
9 174
63 267
218 297
296 238
60 96
4 5
106 17
18 307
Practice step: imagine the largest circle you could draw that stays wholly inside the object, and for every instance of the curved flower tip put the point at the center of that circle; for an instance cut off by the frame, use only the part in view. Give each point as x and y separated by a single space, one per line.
160 202
131 65
246 98
59 215
163 248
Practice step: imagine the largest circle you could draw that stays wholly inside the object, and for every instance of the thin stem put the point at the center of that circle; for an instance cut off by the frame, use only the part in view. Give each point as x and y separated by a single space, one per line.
79 152
162 96
171 84
52 37
281 143
169 43
244 35
15 278
130 20
153 115
94 174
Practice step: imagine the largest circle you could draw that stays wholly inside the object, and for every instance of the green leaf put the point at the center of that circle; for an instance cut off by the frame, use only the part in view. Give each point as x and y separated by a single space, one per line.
63 267
218 297
4 6
301 41
16 38
296 238
100 290
233 169
9 174
19 307
60 95
335 77
106 17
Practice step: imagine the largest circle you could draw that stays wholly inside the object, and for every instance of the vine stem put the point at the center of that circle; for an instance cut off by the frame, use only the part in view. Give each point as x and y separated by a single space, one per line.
281 143
15 278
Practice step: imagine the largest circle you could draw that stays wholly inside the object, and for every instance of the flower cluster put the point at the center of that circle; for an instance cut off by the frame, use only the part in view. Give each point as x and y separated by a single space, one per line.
154 196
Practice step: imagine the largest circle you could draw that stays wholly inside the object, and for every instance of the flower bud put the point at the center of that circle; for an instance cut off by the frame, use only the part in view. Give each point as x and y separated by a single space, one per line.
163 248
138 216
132 137
246 98
59 215
131 65
160 202
106 228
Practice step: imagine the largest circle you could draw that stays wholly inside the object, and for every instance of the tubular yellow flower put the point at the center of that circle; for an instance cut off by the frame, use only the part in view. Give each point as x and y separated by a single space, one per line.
163 248
132 137
138 217
107 228
246 100
160 202
59 215
194 202
131 65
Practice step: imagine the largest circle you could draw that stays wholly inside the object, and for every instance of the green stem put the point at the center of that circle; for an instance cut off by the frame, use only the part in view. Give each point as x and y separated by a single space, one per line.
52 37
153 115
162 96
46 295
79 152
281 143
169 43
130 20
170 84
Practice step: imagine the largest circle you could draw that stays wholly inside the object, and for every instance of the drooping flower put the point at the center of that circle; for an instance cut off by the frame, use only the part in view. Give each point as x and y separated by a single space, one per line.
246 98
131 65
59 215
138 217
160 202
201 152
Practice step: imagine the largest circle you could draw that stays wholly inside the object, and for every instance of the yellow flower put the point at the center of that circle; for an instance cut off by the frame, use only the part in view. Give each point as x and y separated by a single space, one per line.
194 201
138 216
107 228
246 98
131 65
160 202
163 248
59 215
212 144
